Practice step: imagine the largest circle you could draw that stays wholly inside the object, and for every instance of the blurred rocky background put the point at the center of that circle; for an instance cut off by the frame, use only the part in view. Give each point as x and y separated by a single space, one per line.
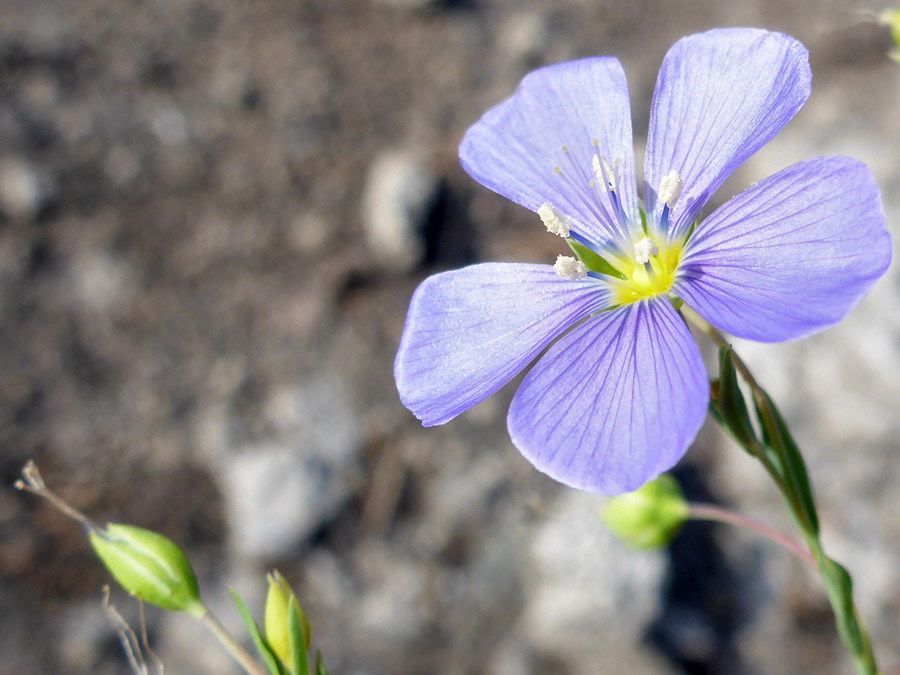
212 216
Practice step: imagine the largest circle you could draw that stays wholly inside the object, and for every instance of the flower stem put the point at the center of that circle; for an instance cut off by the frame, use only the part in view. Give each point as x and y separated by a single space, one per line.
231 645
778 453
717 513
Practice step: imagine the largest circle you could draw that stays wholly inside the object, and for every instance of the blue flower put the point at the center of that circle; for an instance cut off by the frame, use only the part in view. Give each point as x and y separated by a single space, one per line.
622 393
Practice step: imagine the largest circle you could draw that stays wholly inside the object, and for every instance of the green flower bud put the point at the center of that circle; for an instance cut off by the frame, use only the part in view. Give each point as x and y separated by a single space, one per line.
649 517
277 621
149 566
891 19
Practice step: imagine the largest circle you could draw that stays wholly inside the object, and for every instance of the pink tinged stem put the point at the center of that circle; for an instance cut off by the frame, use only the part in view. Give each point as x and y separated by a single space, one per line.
722 515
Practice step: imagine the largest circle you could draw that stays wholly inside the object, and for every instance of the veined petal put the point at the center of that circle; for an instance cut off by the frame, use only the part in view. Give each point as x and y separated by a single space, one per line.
516 146
470 331
791 255
720 96
615 402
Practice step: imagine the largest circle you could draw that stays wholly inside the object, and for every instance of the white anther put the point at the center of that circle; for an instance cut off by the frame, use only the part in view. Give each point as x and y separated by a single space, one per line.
610 180
645 249
670 189
555 220
570 268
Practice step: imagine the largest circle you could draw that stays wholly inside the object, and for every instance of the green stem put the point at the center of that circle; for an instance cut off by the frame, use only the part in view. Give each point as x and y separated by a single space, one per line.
231 645
722 515
788 470
853 633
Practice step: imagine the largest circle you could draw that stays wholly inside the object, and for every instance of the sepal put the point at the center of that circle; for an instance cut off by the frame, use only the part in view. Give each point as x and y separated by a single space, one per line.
593 260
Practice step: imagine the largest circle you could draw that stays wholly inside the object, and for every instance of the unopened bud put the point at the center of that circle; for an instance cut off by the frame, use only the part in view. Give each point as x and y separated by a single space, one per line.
891 19
650 516
277 620
149 566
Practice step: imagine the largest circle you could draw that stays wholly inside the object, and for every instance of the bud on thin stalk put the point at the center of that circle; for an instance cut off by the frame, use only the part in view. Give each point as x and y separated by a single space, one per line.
149 566
649 517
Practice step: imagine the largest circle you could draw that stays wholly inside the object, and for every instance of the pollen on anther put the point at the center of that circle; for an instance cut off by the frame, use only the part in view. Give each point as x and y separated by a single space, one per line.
556 222
570 268
670 189
645 249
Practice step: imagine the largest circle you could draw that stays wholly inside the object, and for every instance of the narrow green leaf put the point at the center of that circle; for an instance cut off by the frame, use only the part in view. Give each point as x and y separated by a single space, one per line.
731 405
268 657
839 587
593 260
777 436
320 666
299 655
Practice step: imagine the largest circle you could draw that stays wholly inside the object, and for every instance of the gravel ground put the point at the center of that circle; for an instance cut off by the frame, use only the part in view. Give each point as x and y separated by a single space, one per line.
212 217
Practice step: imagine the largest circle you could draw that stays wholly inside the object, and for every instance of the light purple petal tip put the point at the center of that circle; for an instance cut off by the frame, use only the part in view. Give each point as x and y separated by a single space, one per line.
470 331
790 256
720 96
614 403
514 148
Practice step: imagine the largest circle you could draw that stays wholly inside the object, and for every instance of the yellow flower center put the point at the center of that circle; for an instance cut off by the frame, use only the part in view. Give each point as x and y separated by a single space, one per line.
651 278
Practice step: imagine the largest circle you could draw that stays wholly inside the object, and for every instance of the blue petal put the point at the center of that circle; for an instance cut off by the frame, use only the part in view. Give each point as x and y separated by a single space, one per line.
791 255
614 403
470 331
720 96
515 147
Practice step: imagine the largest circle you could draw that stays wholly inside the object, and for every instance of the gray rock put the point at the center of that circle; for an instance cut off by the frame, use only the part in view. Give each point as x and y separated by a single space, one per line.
525 35
591 598
399 192
23 190
99 282
170 125
277 492
83 629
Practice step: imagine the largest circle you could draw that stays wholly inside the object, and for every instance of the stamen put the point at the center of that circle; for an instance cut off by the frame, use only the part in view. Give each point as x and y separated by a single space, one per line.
570 268
607 176
602 202
645 249
556 221
605 173
670 189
